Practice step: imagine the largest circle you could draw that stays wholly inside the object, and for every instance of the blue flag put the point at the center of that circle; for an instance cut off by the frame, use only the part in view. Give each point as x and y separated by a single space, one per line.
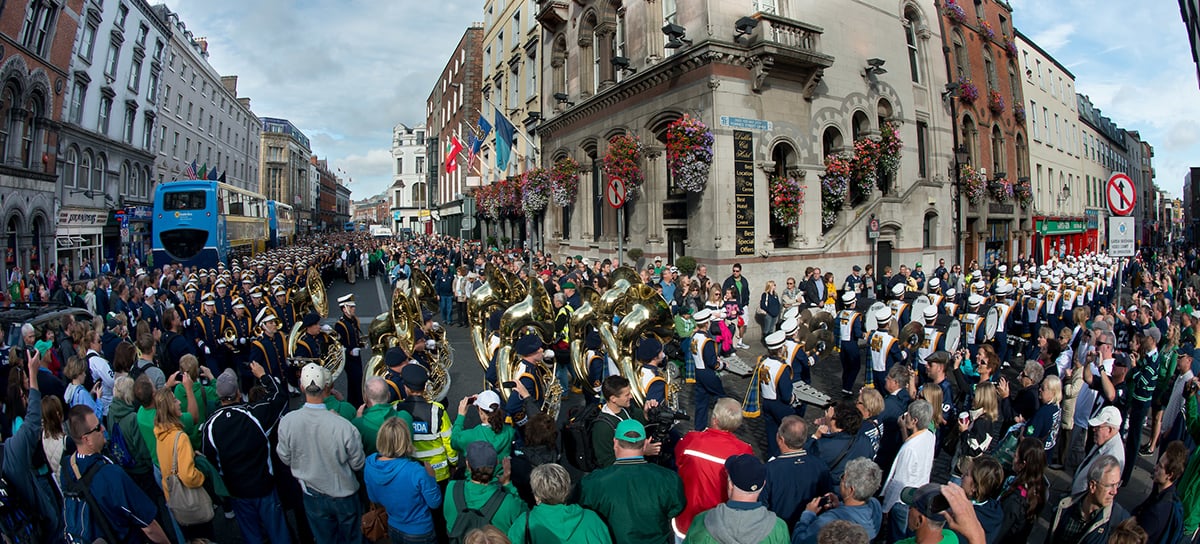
484 129
212 174
504 140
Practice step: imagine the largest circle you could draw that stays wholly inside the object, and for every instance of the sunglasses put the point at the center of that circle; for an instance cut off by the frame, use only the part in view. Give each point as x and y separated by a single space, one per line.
96 429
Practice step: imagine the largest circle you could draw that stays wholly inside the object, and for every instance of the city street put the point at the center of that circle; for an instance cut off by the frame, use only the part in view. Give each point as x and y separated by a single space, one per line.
372 296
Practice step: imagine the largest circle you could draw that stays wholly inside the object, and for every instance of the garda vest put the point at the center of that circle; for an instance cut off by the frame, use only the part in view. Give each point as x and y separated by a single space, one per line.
881 345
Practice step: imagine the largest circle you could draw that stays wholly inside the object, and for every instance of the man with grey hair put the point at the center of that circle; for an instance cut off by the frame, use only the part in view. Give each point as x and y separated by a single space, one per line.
701 458
1106 432
1089 400
1089 516
858 504
324 451
912 467
795 476
375 411
843 532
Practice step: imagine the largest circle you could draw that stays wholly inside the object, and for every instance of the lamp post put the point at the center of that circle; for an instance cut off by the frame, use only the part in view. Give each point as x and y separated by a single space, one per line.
960 158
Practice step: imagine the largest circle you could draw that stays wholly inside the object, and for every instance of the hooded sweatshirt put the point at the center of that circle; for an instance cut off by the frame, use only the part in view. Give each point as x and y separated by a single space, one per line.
405 490
560 523
868 515
738 522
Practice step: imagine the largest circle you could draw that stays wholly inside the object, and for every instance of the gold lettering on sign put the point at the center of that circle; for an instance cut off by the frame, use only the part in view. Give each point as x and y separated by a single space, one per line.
743 190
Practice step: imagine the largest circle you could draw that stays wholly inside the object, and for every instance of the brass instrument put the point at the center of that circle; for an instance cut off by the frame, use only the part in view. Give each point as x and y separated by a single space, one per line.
583 319
311 297
333 360
622 278
480 305
533 314
423 297
644 313
229 334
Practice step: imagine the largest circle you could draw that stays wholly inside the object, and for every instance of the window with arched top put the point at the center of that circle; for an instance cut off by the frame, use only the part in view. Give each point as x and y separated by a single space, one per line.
31 131
883 111
970 138
72 162
831 141
989 67
786 160
8 108
912 22
999 162
98 169
861 125
126 182
1022 157
962 65
929 231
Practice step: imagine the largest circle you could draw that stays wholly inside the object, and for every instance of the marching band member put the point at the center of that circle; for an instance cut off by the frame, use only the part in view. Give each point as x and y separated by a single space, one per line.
935 293
270 349
951 305
223 301
188 310
934 339
396 359
901 309
974 331
528 375
175 345
208 336
245 332
1004 309
775 384
492 348
311 344
350 335
597 366
255 303
885 349
1051 307
650 376
794 354
284 311
850 332
704 353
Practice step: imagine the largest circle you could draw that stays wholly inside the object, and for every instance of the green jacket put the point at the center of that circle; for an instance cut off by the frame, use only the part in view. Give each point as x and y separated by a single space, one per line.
122 414
145 421
1189 484
477 495
502 441
603 430
948 537
730 522
207 402
341 407
372 419
636 498
560 523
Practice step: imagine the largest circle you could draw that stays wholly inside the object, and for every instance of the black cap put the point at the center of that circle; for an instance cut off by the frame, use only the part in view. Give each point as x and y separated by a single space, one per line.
528 345
395 357
648 349
310 319
414 376
592 340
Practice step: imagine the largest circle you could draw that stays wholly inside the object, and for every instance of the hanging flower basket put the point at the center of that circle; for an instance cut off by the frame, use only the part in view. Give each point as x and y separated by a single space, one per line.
890 148
995 101
865 166
1010 47
536 187
689 153
835 184
955 13
787 200
973 185
1023 193
623 161
1001 190
986 29
487 201
564 176
1019 113
968 93
509 195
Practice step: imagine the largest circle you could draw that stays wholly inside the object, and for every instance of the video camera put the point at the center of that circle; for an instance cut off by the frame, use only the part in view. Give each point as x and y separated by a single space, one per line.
660 420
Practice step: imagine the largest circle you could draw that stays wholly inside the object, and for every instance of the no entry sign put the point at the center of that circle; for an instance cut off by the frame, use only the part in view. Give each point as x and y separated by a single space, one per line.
1121 194
615 194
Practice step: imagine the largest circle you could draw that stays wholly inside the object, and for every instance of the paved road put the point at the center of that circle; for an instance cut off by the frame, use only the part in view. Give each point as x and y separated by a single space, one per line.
372 296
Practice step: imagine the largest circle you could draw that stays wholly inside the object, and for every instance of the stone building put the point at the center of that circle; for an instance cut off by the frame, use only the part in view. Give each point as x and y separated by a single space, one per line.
782 86
409 188
978 37
285 163
108 145
201 118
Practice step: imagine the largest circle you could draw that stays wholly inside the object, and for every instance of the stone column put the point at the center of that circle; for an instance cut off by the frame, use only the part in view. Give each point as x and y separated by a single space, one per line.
654 192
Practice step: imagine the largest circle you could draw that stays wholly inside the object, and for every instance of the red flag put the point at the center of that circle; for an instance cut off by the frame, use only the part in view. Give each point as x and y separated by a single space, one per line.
452 150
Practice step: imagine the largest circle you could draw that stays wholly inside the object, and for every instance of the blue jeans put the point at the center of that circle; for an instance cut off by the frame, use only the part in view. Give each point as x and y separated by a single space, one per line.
402 538
261 519
445 306
334 520
898 522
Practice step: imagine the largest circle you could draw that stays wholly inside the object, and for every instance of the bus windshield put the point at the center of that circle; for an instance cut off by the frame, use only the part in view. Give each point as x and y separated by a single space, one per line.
184 200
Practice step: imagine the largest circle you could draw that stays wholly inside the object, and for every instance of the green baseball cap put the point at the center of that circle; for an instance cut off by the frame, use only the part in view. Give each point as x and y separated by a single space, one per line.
630 430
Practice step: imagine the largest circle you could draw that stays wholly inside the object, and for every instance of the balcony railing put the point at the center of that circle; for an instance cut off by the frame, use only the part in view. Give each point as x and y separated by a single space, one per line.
786 32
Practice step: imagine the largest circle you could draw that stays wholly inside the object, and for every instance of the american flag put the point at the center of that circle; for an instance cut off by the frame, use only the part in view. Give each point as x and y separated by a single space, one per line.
190 172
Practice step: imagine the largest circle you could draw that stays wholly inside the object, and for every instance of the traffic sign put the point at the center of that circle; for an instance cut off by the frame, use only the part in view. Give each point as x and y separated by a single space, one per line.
615 194
468 222
1121 239
873 228
1121 194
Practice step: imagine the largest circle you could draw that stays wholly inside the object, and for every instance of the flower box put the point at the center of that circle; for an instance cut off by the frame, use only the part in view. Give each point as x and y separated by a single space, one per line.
689 153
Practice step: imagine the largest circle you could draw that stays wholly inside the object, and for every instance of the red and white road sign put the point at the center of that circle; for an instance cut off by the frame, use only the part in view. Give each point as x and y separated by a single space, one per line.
615 194
1121 194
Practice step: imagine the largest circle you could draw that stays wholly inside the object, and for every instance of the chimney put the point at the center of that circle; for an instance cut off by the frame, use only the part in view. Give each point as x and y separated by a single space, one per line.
230 84
203 43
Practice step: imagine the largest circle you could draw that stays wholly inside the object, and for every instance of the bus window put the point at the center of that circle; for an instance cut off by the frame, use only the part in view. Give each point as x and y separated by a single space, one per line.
184 200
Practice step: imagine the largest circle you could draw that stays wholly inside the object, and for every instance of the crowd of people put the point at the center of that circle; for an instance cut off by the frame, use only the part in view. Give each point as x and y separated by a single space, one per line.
184 400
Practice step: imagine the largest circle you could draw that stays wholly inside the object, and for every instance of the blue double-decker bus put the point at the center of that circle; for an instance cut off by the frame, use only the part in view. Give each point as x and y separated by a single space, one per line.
200 223
281 222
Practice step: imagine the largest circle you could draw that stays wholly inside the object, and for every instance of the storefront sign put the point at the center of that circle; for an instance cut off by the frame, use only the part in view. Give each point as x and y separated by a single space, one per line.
139 213
742 122
1048 228
743 190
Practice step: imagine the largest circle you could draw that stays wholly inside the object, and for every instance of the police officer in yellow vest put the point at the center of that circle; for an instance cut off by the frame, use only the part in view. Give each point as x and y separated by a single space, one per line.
430 427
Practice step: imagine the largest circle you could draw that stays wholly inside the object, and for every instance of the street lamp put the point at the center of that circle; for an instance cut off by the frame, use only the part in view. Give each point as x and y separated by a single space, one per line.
961 156
1064 194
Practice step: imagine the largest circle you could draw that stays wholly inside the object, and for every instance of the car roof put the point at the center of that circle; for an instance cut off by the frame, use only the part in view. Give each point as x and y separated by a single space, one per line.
38 314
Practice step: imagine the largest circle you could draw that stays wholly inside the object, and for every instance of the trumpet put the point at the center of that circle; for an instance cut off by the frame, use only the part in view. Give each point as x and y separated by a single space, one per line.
229 334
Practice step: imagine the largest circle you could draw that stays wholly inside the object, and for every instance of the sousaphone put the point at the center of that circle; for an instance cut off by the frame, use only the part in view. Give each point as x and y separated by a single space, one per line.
911 335
310 297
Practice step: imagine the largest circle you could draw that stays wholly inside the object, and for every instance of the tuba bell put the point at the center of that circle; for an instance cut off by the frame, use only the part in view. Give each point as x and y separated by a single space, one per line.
311 297
534 313
581 321
646 314
480 305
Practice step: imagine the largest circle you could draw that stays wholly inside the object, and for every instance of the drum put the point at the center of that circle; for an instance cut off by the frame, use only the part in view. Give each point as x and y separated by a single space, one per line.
918 308
991 322
869 322
951 333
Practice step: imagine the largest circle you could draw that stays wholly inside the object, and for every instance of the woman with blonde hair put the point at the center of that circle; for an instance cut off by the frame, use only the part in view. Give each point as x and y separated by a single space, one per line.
769 308
978 432
404 486
53 433
76 393
870 405
206 395
175 453
1045 423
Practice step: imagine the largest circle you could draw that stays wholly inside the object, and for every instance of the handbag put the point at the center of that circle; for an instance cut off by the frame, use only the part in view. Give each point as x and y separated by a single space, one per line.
375 523
191 505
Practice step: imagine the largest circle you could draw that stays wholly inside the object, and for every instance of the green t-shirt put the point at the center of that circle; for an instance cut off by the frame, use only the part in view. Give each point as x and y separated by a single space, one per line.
948 537
145 421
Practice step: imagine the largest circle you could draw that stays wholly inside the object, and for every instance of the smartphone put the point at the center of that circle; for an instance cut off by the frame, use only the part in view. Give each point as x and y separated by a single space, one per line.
471 399
179 376
509 385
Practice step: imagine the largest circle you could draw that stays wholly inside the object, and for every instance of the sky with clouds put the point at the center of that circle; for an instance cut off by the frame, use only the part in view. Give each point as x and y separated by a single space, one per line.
347 71
1132 58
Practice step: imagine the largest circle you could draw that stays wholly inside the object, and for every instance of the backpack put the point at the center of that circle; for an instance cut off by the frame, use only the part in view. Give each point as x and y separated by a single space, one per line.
79 507
577 437
138 369
118 449
16 525
470 519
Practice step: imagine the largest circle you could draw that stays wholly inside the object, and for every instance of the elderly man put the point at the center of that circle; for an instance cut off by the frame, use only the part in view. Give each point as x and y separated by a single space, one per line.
701 456
794 477
637 499
857 504
1091 395
1106 431
742 518
912 467
325 467
1086 517
375 411
926 515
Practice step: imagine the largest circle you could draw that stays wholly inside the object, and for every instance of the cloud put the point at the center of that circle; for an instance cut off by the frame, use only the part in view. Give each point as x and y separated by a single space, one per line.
1054 37
343 71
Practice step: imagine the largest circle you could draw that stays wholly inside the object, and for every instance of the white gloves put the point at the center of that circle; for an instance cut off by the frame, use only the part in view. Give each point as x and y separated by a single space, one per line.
437 326
430 345
548 354
355 351
207 351
326 329
242 341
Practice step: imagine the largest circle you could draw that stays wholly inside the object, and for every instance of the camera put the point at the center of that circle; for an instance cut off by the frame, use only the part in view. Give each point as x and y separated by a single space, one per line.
659 421
673 350
1190 388
826 502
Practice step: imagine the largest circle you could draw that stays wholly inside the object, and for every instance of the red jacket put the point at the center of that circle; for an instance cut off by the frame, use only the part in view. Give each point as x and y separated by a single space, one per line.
701 458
